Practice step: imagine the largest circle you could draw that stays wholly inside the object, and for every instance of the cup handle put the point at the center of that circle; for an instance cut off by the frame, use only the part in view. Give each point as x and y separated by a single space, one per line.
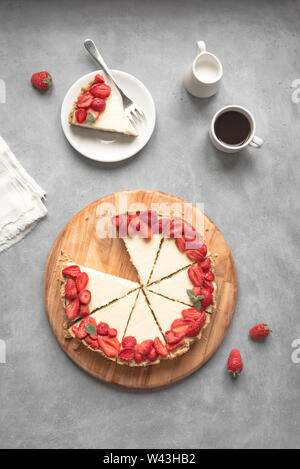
201 47
256 142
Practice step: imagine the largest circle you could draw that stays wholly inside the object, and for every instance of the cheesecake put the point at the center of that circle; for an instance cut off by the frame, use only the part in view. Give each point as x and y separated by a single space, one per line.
143 253
99 106
169 260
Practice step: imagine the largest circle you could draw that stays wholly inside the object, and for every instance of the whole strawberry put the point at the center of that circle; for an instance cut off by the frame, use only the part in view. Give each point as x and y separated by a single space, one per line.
41 80
235 364
260 331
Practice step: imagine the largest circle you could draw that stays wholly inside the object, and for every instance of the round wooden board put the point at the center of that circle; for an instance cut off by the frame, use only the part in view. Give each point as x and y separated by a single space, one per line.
79 240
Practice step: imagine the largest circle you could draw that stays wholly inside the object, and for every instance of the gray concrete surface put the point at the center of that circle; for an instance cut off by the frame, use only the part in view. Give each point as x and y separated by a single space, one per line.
46 400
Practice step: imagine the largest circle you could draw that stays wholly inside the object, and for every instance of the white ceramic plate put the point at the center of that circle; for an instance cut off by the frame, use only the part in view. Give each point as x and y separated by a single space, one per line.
109 146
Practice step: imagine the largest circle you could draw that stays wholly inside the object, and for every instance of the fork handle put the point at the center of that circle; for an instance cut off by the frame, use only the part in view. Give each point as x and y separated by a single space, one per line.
92 49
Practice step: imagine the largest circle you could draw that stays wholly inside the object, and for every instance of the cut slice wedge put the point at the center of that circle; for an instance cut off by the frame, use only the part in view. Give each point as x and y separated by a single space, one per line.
164 310
143 253
142 324
116 315
106 288
169 260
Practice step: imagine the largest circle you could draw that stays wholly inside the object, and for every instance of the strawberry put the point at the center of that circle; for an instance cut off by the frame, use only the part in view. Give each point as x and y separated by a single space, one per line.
180 324
99 78
207 300
88 321
92 115
160 347
171 347
205 265
71 271
85 296
196 275
171 337
108 349
191 313
209 276
188 232
80 115
196 290
176 228
163 226
180 243
82 281
102 328
72 309
70 289
149 217
152 355
85 100
260 331
93 343
203 250
84 311
145 230
235 364
133 225
116 221
98 104
138 357
111 341
129 342
101 90
195 255
197 325
80 331
145 347
41 80
112 332
208 285
127 354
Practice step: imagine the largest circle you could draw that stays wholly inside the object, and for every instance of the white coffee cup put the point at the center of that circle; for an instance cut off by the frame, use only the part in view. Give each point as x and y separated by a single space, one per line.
203 78
251 140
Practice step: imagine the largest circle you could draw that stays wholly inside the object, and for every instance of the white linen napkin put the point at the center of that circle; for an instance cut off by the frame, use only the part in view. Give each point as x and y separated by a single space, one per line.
20 199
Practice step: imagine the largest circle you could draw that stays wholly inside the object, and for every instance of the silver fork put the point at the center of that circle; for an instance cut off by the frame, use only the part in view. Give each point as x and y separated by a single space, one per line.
131 109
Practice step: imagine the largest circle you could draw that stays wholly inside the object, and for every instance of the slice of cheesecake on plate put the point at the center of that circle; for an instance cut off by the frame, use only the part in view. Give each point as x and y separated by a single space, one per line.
104 288
99 106
143 253
103 330
169 260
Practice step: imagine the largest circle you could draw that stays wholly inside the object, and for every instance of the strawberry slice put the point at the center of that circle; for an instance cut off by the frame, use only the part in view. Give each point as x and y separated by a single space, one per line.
149 217
80 115
152 355
160 347
70 289
138 357
196 327
107 348
79 331
208 285
191 313
111 341
181 326
93 343
102 328
84 311
180 243
203 250
112 332
171 337
82 281
145 347
92 115
127 354
209 276
116 221
99 78
205 265
195 255
208 299
98 104
72 309
85 297
101 90
85 100
129 342
171 347
145 230
71 271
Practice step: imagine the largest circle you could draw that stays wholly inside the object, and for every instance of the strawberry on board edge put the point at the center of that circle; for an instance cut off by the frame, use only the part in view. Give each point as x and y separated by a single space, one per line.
41 80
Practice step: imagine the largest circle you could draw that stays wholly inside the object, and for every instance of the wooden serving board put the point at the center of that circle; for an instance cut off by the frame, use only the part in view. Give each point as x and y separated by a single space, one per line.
79 240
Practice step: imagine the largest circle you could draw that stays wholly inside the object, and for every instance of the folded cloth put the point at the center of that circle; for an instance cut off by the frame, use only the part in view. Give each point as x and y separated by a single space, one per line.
20 199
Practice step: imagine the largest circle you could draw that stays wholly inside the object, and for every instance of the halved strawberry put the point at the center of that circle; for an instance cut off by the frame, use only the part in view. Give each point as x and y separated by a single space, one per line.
176 228
82 281
203 250
129 342
112 332
145 230
205 265
208 285
149 217
195 255
180 243
99 78
84 311
70 289
85 100
101 91
112 341
171 337
171 347
196 327
72 309
98 104
145 347
93 343
127 354
102 328
152 355
71 271
108 349
79 331
208 299
209 276
138 357
80 115
85 296
92 115
160 347
191 313
180 327
133 225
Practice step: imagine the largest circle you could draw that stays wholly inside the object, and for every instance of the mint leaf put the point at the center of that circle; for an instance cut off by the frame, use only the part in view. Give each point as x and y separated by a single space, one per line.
90 329
196 300
90 119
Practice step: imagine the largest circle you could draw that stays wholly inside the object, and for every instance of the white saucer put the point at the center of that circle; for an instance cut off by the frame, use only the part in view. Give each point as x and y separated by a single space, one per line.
108 146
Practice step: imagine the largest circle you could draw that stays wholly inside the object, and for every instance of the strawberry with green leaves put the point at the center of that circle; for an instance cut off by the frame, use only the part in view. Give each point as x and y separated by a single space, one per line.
235 363
260 331
41 80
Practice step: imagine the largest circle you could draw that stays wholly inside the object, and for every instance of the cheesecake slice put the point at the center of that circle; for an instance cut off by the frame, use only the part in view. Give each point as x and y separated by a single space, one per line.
112 317
169 260
107 115
143 253
105 288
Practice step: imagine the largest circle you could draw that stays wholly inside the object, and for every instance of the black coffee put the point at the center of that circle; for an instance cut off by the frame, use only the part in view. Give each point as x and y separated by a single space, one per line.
232 127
